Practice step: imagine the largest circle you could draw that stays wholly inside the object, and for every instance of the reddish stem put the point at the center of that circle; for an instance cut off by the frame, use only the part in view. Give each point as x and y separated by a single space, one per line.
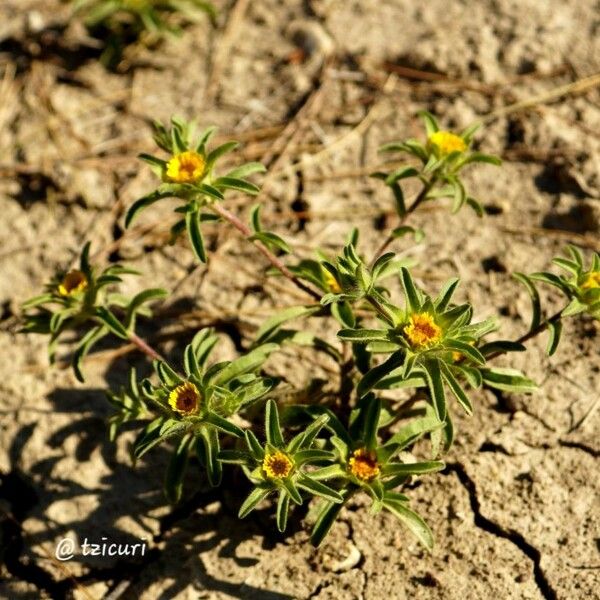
274 260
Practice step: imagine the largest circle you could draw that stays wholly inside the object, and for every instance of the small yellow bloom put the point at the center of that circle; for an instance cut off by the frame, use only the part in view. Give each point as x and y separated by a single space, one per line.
187 167
73 282
422 331
363 464
277 465
185 399
331 282
447 142
592 281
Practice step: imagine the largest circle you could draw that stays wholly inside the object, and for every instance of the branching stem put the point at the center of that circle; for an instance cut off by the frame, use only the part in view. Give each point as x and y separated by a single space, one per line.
274 260
416 203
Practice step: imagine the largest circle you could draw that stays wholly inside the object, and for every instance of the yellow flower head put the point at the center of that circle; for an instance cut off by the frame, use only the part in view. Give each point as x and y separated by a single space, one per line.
277 465
363 464
72 283
331 282
422 331
446 142
592 281
185 399
187 167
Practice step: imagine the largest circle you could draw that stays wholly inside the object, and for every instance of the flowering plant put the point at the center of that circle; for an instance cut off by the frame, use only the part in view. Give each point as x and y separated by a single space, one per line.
361 437
123 22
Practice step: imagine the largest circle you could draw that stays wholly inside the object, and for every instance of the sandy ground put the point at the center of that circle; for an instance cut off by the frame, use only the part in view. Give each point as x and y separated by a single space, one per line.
516 513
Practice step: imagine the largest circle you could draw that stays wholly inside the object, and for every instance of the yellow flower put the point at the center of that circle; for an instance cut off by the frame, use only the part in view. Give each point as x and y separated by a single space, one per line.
277 465
187 167
592 281
422 331
331 282
185 399
363 464
447 142
73 282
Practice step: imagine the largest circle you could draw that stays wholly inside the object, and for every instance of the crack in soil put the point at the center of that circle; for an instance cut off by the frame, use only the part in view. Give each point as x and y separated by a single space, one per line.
511 535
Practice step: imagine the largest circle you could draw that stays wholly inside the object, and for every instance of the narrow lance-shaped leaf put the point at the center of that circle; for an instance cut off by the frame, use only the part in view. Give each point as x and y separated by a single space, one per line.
192 223
176 470
256 496
283 507
436 387
412 521
272 427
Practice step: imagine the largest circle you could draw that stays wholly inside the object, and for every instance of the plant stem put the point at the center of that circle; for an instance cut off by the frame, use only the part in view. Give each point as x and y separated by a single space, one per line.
417 201
532 333
274 260
144 346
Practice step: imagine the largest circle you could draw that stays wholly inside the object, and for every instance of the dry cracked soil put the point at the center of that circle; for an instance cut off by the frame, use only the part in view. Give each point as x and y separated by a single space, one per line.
312 88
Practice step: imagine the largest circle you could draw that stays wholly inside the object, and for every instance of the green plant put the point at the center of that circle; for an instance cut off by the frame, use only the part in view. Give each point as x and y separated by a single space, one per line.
120 23
331 444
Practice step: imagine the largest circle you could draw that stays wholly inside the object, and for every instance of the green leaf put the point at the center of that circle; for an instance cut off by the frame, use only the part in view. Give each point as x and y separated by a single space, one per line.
446 293
554 329
466 350
208 448
331 472
535 299
190 364
324 522
271 240
210 191
431 125
254 446
234 457
508 380
155 432
256 496
479 157
456 388
88 340
412 295
204 139
139 205
157 165
317 488
232 183
411 432
501 346
139 299
433 377
218 152
272 427
280 317
401 173
84 261
247 169
192 224
113 324
224 425
412 521
176 470
416 468
399 232
311 455
363 336
292 490
376 374
371 424
167 376
283 507
244 364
